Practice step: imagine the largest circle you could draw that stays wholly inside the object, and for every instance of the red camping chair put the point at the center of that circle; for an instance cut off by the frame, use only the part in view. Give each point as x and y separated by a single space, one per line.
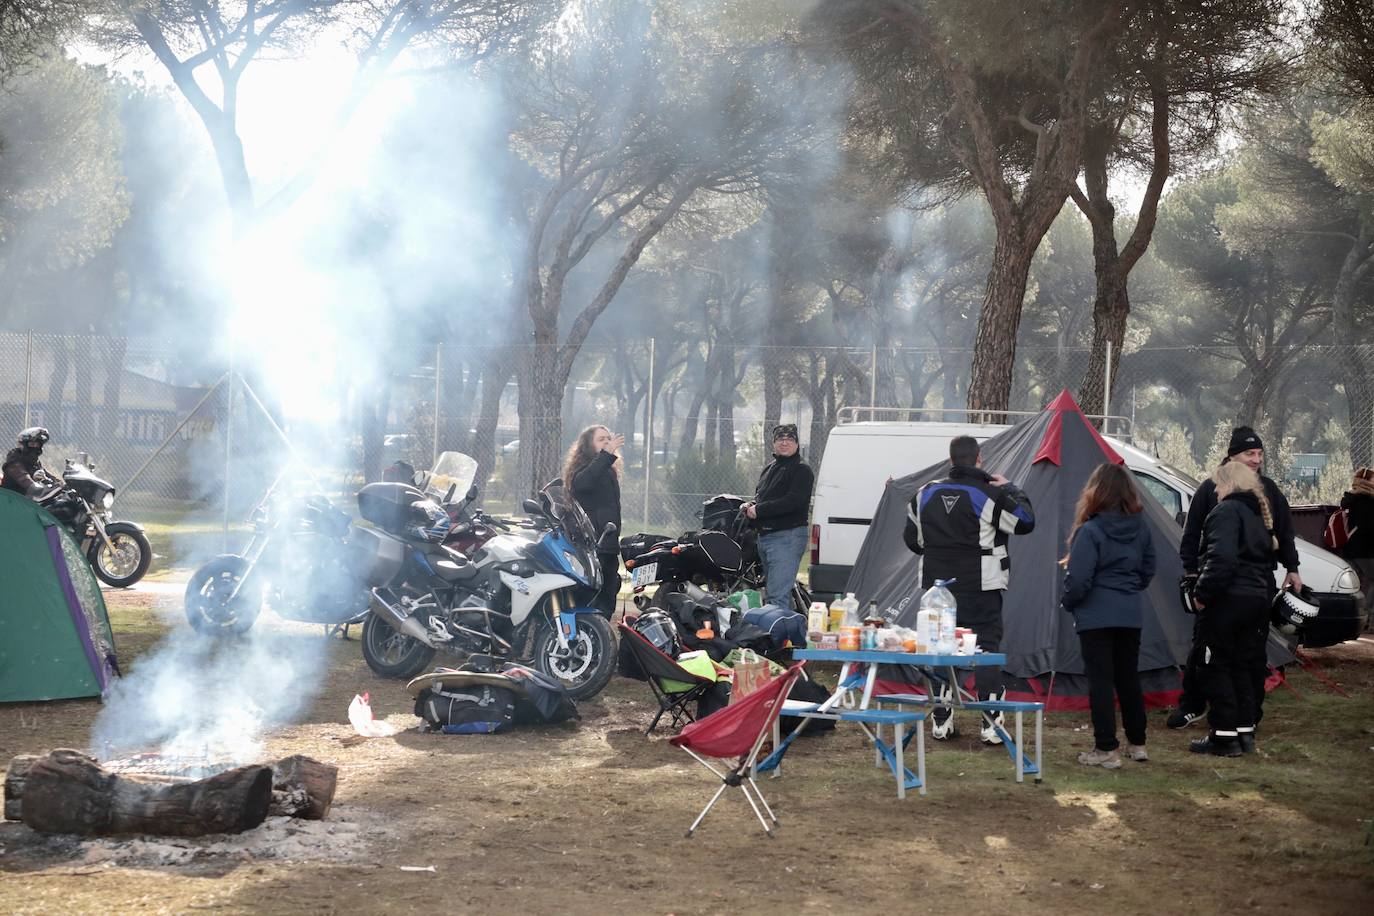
738 731
659 668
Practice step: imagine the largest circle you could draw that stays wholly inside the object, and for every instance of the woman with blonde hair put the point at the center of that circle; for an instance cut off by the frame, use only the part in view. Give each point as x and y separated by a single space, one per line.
1111 561
1235 586
592 474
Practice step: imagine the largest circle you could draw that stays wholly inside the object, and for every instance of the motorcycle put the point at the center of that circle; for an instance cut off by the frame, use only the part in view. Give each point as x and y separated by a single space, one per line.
118 552
518 599
299 561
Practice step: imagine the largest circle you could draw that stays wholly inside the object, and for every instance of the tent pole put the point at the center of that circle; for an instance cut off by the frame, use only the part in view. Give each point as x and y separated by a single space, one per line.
649 433
28 376
1107 386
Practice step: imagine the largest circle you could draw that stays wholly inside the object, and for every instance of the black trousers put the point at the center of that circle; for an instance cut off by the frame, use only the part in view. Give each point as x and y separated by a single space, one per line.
1193 699
1233 638
1111 656
610 583
981 612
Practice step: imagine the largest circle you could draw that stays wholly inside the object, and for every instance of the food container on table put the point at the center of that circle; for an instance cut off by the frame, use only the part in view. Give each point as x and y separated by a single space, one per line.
909 644
830 640
849 639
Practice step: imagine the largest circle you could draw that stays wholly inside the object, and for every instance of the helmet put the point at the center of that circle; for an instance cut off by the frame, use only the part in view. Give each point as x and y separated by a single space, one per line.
658 628
1291 610
33 437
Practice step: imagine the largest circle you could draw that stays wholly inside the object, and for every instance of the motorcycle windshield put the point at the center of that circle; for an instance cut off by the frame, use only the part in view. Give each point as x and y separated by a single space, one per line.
451 468
570 516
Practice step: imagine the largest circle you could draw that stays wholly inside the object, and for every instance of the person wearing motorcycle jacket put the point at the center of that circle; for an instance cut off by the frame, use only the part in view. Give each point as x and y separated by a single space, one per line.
592 471
23 471
780 507
959 528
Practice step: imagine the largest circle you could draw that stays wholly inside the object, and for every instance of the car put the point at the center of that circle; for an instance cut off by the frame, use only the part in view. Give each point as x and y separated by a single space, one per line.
860 456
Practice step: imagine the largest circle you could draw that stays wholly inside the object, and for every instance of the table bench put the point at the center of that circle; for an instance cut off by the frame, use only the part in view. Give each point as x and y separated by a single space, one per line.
1023 763
898 720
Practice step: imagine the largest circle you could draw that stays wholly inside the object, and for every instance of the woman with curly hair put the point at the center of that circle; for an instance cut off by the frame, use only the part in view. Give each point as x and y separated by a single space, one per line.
592 474
1235 586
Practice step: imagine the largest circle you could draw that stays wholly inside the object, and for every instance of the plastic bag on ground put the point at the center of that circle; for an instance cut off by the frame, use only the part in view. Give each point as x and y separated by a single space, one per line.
360 714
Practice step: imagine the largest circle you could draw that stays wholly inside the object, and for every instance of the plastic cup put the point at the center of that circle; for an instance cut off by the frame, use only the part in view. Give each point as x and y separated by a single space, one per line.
968 643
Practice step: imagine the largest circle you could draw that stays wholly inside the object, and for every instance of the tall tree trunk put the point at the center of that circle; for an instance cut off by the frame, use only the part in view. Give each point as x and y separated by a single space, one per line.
499 367
994 346
1356 362
114 352
541 410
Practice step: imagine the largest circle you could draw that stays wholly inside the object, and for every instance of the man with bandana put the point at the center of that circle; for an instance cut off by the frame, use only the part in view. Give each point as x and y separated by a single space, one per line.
782 501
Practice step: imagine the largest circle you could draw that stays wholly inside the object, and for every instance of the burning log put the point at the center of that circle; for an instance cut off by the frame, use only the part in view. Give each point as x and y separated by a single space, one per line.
68 792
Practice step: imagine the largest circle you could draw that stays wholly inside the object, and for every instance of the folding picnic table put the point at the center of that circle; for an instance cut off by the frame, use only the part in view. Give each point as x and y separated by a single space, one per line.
853 698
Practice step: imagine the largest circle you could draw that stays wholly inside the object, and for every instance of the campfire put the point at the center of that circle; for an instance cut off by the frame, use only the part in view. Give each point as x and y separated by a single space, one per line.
67 791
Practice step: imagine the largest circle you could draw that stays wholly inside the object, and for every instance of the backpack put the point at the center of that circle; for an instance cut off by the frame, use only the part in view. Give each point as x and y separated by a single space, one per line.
1338 530
474 709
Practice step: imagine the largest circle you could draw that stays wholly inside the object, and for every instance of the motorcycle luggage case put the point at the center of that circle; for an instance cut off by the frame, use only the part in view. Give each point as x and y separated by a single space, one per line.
719 513
376 556
636 545
387 505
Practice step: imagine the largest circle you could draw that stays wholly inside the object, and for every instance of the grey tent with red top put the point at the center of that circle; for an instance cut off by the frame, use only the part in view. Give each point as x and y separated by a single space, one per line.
1050 456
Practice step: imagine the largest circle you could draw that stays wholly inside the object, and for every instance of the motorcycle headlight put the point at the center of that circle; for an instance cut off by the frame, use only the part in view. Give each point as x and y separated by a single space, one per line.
108 500
1347 581
574 564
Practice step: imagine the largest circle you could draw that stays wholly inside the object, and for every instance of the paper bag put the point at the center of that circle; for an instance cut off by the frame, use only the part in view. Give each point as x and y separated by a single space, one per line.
750 672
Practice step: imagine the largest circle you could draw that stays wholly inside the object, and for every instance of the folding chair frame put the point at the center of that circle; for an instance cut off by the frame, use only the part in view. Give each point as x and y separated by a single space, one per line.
658 666
674 703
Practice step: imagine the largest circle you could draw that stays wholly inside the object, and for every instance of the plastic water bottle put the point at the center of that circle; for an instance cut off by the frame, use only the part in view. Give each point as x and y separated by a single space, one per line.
935 621
851 610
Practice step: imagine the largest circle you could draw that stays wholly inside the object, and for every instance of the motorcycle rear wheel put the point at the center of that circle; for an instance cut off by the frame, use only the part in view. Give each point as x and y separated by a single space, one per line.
588 668
390 653
129 560
208 609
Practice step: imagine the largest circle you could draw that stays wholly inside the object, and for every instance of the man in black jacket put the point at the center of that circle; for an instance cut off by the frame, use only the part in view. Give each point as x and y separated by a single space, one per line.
781 503
1245 446
959 527
23 470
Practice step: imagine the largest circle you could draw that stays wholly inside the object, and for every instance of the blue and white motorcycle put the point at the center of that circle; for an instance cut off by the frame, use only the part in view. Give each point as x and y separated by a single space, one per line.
523 597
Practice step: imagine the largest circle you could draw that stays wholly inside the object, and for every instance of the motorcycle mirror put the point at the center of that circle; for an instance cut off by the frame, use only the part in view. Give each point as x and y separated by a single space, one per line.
532 507
448 497
86 460
472 492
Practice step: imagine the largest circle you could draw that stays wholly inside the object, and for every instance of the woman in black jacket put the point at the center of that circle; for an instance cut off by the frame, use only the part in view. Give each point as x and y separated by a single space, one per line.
1235 586
592 472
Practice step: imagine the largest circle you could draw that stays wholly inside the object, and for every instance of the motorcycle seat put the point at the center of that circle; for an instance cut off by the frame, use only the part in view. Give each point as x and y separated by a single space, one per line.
454 571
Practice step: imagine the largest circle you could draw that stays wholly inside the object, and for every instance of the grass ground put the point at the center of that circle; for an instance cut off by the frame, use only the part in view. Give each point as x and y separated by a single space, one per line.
588 817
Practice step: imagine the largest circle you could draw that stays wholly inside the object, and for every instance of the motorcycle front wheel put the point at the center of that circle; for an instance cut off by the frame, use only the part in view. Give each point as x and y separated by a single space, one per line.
127 562
390 653
209 608
586 668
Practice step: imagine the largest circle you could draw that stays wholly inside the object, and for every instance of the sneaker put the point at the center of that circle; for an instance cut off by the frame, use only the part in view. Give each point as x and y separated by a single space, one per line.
1181 718
1137 753
1108 760
989 733
1217 747
942 724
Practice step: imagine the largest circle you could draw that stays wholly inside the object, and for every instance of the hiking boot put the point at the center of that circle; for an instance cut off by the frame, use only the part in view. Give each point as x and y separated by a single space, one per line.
1136 752
1217 747
1182 718
1247 742
1108 760
942 724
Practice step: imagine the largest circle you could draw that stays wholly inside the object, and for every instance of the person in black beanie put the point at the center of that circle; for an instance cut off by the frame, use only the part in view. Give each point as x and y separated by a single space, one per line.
1247 448
782 501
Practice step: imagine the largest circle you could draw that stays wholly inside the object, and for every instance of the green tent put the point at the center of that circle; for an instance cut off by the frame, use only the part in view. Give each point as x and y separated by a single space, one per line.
55 638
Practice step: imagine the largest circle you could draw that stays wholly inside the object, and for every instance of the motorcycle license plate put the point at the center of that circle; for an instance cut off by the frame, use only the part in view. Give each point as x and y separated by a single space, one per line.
641 576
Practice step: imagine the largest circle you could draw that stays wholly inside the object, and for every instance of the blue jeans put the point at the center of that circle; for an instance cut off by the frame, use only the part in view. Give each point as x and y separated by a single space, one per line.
782 552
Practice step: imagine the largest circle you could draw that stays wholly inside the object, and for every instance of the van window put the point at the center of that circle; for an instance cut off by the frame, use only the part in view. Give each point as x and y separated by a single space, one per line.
1168 497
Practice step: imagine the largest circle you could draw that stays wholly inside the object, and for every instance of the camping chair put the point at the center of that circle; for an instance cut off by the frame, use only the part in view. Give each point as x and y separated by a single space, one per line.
673 685
738 731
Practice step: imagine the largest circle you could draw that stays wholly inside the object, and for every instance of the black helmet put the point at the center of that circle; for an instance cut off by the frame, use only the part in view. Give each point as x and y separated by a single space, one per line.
1292 610
658 628
33 437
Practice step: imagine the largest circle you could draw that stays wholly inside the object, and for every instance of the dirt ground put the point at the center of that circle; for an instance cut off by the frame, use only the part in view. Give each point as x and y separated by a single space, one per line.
589 818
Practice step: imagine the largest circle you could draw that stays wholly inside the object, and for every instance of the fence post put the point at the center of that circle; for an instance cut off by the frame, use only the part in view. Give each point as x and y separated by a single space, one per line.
228 442
28 376
438 369
1107 385
873 381
649 434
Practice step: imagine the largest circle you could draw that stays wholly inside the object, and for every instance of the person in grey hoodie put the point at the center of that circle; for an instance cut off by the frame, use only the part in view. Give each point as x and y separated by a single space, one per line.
1111 560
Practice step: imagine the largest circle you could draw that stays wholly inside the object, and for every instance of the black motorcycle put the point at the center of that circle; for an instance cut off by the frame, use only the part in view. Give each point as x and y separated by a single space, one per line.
522 597
118 552
299 561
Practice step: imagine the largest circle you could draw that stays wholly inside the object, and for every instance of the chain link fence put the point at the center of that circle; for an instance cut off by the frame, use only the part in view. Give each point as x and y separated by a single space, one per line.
193 446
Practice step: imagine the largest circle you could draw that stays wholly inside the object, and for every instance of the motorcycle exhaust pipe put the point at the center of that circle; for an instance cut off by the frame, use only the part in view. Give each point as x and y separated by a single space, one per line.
399 620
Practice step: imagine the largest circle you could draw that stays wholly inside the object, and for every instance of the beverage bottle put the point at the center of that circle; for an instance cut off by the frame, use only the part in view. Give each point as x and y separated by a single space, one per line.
817 618
851 610
937 612
872 613
837 613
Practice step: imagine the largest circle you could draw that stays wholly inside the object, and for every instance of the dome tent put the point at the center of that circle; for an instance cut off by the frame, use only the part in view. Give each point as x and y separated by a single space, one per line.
55 637
1050 456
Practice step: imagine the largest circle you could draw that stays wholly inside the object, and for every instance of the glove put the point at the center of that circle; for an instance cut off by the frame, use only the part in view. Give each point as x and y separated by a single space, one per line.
1186 584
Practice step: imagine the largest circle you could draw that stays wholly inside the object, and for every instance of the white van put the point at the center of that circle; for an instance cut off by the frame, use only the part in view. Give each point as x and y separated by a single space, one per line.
861 454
